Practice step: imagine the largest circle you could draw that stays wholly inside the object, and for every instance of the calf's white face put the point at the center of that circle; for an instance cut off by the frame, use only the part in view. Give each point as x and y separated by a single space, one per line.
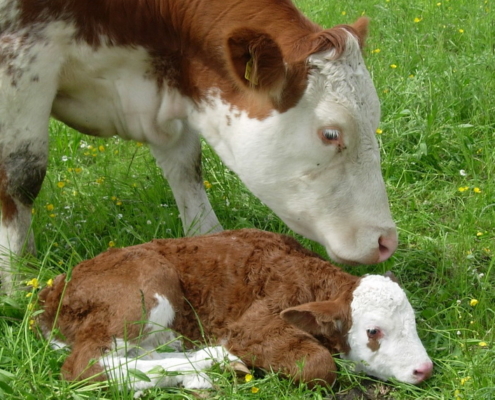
383 338
317 165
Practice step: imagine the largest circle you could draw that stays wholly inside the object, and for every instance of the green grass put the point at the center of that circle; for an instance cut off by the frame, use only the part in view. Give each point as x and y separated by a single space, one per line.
433 64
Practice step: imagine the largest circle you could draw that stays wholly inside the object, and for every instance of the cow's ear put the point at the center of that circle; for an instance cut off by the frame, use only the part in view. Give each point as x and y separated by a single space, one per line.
255 60
317 317
360 30
336 38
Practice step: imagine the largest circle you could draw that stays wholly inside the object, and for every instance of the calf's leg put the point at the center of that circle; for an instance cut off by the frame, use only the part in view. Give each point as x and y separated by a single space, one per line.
264 340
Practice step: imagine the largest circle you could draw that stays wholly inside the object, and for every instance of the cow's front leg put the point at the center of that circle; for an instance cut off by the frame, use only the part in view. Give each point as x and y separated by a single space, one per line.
278 346
28 79
22 169
181 166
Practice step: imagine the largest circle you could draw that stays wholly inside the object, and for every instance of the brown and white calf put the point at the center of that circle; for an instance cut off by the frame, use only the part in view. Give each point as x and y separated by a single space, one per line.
289 106
255 296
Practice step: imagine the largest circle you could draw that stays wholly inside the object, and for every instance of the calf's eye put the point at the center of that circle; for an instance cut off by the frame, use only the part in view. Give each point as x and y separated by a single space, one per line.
373 333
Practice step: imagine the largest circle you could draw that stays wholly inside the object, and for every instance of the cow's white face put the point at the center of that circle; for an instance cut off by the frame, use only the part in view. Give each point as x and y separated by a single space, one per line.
383 338
317 165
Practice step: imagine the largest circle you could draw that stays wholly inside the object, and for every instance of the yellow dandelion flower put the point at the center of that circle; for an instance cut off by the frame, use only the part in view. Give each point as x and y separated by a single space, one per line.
254 389
482 344
461 30
34 283
207 184
49 282
100 180
101 148
248 378
78 170
463 188
464 380
416 20
393 66
479 234
61 184
50 207
477 190
473 302
29 294
111 243
53 215
343 13
118 203
376 51
379 131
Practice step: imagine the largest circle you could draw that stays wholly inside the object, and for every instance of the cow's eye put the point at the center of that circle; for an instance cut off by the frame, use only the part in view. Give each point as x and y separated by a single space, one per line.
373 333
330 135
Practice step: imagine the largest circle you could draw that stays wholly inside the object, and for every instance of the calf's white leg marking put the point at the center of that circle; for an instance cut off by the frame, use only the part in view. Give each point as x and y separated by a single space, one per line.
166 369
163 369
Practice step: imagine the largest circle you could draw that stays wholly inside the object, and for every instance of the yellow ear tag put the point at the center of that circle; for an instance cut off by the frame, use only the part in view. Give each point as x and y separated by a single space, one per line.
249 71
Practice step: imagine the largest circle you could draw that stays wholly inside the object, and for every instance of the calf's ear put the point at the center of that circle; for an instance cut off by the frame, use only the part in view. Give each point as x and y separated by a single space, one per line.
255 60
316 317
392 277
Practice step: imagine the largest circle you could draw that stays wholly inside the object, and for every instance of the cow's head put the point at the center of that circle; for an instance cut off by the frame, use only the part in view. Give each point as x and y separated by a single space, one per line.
376 329
299 130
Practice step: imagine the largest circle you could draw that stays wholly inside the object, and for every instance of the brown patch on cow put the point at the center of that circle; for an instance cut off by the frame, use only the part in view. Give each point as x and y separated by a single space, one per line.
9 208
197 45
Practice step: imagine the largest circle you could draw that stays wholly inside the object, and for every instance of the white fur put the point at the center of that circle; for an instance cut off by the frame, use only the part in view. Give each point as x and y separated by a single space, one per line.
336 198
165 369
380 303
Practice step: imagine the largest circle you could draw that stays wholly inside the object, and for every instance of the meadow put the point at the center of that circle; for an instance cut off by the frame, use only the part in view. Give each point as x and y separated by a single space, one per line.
433 64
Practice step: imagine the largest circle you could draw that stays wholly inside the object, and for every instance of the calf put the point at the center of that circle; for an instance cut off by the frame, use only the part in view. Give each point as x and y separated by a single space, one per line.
255 296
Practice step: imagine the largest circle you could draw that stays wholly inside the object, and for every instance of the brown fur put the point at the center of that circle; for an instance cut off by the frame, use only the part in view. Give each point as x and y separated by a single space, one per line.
206 43
262 295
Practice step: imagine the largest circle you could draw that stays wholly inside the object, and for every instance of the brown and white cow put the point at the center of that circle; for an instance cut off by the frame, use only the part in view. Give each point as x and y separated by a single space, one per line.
289 106
251 295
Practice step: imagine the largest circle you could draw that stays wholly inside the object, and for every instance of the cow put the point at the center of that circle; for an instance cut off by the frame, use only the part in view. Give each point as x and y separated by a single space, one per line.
249 295
288 106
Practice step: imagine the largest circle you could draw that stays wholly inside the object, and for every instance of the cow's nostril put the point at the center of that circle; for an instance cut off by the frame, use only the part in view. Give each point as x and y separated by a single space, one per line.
423 372
386 247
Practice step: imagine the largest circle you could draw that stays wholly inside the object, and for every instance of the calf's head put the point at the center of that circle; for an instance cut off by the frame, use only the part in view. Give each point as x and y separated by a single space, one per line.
302 139
374 327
